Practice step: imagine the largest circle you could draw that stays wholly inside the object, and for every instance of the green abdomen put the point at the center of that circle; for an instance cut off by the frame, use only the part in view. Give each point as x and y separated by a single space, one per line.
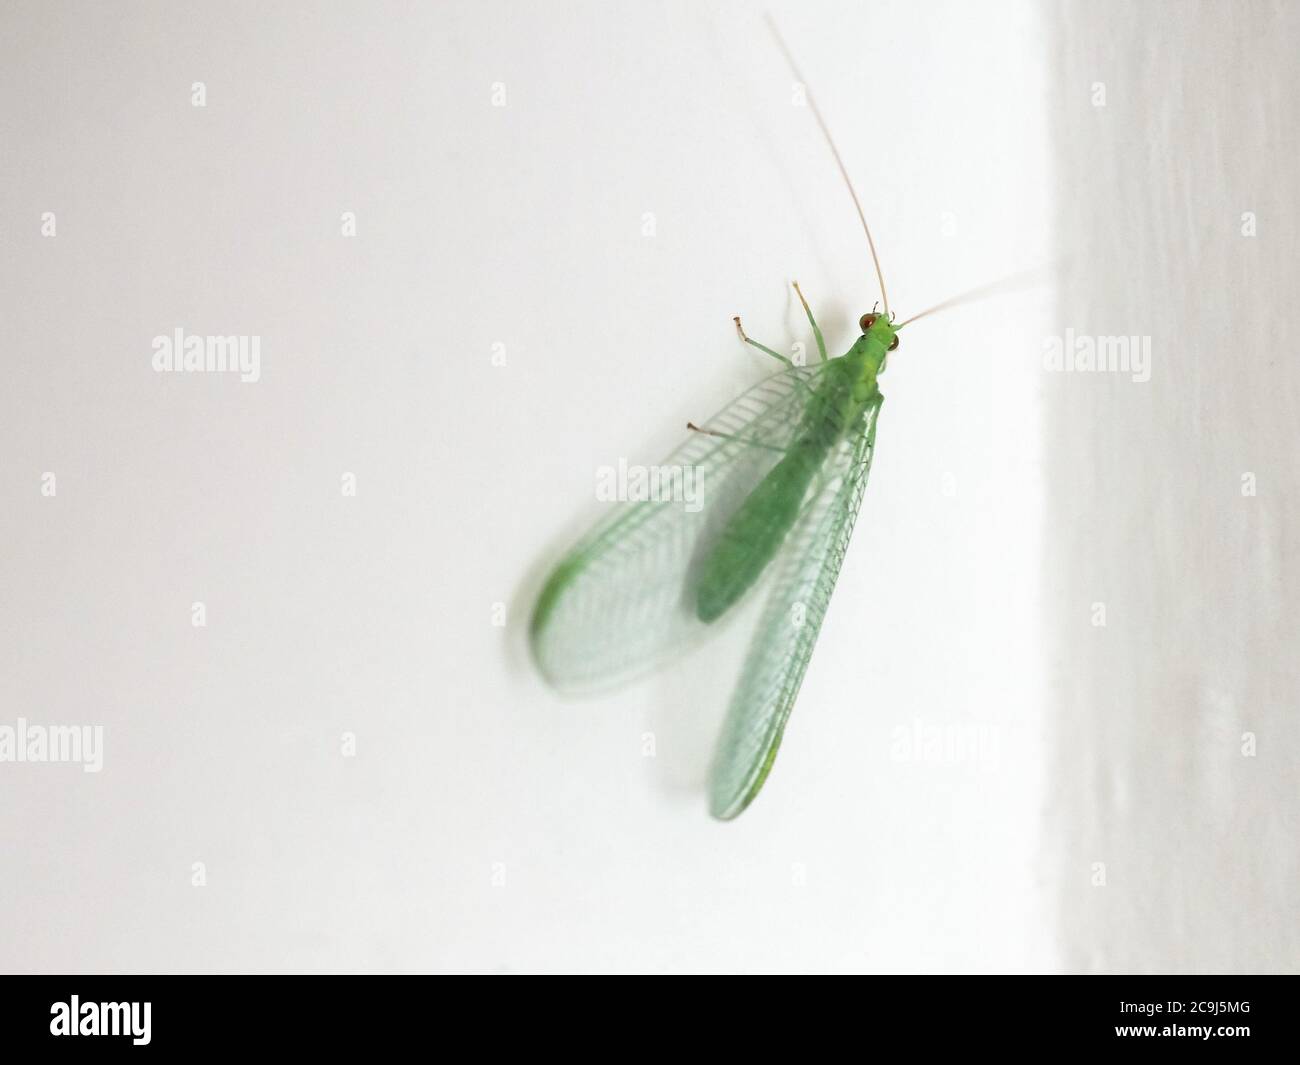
755 531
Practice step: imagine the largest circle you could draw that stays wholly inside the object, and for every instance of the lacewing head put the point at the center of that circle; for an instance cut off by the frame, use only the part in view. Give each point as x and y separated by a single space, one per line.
868 321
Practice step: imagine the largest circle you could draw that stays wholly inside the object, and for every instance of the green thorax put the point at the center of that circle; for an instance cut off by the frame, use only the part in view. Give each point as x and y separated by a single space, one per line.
868 354
845 389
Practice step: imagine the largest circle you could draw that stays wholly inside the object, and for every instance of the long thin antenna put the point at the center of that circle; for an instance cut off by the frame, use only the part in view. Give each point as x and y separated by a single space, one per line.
794 69
1025 279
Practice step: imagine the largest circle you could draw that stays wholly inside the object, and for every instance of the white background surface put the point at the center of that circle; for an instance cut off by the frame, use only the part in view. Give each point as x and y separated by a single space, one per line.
959 606
1146 511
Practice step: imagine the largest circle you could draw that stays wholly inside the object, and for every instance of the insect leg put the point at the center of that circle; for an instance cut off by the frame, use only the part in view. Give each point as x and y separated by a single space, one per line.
748 442
821 344
761 347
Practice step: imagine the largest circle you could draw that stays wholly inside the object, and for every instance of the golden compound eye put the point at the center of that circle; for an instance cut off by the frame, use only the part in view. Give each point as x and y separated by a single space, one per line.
895 343
865 323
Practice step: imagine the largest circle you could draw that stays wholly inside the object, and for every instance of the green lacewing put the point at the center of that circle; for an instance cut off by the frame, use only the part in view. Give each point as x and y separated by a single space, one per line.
785 465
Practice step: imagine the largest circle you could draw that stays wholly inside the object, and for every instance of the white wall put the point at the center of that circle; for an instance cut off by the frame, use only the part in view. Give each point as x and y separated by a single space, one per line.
1151 714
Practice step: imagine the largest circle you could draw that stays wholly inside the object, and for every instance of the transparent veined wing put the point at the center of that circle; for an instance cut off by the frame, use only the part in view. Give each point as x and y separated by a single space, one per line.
806 571
620 599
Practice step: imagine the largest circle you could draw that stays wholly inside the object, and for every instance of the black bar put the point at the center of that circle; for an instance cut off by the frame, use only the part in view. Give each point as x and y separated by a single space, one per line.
336 1014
